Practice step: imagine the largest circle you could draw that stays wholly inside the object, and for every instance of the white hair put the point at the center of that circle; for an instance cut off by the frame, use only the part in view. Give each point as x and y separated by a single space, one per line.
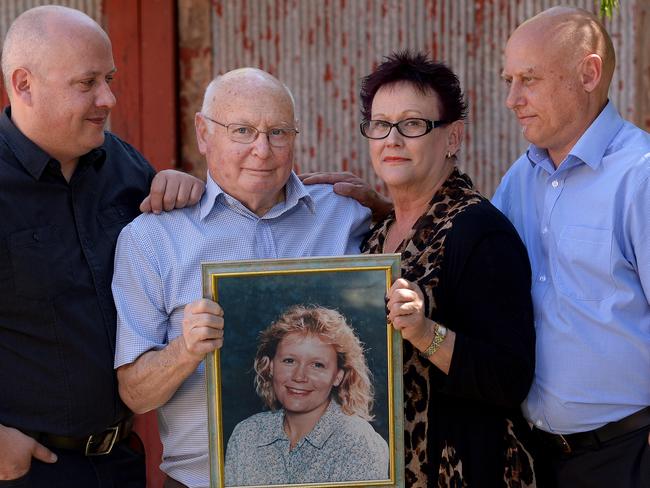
237 77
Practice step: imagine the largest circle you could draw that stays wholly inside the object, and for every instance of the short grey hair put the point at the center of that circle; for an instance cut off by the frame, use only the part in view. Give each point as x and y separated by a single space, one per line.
217 83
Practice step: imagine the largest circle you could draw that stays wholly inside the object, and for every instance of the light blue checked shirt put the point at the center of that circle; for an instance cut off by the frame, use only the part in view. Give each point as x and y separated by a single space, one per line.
157 272
586 226
340 448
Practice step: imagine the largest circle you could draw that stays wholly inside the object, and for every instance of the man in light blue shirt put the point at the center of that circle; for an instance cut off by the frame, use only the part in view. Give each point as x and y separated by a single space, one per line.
254 207
580 200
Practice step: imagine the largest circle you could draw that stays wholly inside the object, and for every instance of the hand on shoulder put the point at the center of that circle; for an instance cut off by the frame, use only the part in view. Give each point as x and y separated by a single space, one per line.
172 189
350 185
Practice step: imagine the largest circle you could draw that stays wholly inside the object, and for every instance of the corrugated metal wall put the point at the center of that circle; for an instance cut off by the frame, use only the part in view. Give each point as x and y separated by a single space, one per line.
320 49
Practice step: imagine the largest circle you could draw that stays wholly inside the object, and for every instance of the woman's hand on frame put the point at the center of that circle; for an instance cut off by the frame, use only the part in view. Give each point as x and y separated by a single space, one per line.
406 313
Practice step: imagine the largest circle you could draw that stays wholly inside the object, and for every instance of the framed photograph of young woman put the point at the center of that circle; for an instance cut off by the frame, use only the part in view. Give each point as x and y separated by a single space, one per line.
307 388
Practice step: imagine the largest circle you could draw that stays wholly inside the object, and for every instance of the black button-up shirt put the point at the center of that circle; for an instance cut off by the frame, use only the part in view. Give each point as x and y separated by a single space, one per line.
57 318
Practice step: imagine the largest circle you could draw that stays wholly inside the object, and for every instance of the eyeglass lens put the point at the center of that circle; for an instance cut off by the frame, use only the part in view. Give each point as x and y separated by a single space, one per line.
378 129
278 136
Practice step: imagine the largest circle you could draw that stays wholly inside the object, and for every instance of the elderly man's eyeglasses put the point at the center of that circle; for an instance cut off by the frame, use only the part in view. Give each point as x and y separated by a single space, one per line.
245 134
379 129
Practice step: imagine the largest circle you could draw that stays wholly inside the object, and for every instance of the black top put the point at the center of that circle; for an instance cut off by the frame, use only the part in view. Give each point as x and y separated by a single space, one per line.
57 318
474 272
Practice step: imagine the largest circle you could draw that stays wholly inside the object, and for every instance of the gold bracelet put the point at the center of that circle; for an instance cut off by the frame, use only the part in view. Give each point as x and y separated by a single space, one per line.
438 338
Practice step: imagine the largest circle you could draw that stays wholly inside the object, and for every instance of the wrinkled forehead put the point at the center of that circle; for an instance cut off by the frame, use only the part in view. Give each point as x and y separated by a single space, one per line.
254 102
524 54
546 40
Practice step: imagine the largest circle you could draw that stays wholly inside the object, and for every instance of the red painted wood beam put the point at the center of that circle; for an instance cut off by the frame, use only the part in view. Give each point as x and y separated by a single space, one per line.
143 34
159 73
122 22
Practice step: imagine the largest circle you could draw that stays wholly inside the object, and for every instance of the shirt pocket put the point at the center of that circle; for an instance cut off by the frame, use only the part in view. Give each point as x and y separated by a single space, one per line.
40 262
114 218
584 256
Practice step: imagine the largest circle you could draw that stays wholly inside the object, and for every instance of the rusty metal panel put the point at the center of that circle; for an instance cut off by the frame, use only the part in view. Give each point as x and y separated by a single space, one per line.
195 72
642 68
321 48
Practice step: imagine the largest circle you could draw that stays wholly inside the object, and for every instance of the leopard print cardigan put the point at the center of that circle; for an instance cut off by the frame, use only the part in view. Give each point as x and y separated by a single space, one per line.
423 252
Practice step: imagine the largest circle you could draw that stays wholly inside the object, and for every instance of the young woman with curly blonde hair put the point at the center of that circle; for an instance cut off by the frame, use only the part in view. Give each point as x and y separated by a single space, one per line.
312 375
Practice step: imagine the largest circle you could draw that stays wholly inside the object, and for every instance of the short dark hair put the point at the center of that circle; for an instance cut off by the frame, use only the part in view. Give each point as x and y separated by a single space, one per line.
423 73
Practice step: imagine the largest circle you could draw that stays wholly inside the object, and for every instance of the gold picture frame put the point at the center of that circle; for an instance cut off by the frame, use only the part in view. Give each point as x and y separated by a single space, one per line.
253 294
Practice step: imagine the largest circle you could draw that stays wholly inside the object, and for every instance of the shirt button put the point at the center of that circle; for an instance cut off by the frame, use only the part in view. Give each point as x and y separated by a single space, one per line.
544 230
35 237
555 183
542 278
538 423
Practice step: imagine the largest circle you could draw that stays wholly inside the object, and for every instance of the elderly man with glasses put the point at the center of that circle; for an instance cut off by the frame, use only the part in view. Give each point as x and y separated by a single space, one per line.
254 207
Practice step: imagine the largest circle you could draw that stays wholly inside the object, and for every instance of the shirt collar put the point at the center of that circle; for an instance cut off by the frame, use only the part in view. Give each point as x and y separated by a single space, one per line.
32 157
275 432
326 426
591 146
295 194
322 431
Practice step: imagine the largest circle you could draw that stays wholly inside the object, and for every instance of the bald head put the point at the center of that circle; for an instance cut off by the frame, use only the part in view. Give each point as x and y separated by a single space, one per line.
58 65
34 35
244 83
571 34
558 67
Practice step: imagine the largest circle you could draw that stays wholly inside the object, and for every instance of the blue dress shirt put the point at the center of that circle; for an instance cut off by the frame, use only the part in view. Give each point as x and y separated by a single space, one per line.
586 226
158 271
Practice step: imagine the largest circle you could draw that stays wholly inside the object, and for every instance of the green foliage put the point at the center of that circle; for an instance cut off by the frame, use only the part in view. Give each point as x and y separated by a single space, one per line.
607 7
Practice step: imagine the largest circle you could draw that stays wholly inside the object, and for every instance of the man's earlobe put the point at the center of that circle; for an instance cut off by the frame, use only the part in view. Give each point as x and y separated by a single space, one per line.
591 72
201 133
21 85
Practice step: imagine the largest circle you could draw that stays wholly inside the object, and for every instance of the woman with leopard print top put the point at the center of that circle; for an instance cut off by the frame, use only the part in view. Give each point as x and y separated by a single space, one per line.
463 305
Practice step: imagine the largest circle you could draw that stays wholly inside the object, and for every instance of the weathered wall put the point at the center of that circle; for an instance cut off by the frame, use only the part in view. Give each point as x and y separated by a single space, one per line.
320 49
195 72
642 63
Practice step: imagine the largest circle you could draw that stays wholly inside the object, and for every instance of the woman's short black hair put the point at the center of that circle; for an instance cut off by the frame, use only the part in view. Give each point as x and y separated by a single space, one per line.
423 73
